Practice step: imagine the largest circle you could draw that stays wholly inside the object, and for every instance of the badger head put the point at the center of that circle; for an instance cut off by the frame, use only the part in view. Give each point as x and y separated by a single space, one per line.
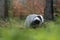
37 20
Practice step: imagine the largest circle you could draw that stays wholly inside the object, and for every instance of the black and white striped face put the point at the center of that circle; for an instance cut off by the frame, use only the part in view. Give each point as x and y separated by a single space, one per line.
37 20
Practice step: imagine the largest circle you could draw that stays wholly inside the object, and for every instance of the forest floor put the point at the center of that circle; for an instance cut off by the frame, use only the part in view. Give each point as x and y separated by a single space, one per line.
14 30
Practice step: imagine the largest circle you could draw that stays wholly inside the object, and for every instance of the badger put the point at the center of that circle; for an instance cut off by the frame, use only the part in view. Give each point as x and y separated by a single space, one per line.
33 20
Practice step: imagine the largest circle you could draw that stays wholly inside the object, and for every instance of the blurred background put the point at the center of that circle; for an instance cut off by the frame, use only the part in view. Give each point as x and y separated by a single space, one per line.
13 14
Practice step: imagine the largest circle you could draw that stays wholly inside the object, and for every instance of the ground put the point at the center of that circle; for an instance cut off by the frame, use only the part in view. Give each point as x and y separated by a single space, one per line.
14 30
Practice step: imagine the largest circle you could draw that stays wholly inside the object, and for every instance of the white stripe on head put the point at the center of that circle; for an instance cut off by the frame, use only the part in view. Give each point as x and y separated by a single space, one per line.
42 18
36 18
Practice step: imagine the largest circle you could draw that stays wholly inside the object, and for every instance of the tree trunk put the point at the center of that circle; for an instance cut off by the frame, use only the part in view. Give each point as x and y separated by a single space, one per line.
6 9
3 9
49 10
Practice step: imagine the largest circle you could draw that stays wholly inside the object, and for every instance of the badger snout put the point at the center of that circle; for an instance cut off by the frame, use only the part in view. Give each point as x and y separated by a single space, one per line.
36 22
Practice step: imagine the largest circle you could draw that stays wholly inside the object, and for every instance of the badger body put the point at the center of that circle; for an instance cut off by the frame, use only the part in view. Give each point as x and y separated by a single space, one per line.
33 20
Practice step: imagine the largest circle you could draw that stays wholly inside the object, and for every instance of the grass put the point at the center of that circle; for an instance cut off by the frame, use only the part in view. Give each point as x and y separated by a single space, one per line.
14 30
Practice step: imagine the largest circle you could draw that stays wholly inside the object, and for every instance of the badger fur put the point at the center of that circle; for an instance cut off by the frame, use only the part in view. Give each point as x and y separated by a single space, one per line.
33 20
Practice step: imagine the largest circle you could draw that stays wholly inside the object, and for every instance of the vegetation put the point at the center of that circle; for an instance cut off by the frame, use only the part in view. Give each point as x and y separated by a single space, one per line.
13 29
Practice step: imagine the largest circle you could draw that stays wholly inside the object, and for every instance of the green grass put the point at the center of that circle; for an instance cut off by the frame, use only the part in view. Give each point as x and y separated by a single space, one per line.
14 30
